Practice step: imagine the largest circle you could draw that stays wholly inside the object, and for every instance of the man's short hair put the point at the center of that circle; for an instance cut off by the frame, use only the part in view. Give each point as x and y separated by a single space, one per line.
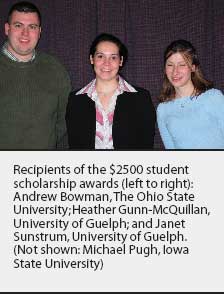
26 7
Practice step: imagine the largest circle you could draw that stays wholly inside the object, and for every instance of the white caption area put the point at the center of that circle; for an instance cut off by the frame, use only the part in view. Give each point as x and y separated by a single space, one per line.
111 221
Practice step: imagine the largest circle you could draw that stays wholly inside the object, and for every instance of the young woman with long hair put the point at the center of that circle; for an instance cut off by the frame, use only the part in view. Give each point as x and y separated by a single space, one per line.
191 112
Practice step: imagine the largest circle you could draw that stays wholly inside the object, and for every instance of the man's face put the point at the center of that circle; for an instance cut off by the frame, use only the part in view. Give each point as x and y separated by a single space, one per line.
23 33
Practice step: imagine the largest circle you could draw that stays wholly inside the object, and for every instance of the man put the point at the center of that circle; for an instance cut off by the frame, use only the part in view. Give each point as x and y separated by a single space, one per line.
34 86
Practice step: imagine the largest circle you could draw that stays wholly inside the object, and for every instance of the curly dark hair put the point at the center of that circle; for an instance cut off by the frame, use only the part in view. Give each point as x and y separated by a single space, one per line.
123 51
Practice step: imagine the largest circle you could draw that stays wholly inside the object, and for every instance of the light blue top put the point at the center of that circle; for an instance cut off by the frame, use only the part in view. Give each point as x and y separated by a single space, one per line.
193 122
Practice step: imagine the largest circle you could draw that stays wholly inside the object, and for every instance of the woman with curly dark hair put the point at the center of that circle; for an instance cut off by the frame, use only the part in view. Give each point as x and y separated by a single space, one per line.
109 113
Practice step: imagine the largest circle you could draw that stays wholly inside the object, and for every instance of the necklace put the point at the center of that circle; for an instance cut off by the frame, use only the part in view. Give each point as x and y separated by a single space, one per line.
182 105
191 95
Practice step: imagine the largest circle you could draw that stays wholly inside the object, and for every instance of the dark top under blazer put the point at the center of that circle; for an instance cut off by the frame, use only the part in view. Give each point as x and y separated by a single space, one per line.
133 122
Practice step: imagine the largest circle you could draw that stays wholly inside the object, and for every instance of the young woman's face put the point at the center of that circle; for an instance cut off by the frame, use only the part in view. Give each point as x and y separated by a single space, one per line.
178 70
106 61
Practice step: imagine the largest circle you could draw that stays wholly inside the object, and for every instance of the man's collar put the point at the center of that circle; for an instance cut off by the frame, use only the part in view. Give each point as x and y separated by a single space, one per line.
7 53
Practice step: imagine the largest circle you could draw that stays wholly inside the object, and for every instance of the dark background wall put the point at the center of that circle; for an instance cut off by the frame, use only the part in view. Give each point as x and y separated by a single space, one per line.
145 26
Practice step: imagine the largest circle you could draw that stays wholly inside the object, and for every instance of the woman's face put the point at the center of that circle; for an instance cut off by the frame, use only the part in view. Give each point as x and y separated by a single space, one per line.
178 71
106 61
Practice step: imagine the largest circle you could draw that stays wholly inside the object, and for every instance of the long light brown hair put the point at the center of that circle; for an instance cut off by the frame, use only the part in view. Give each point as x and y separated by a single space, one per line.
187 50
